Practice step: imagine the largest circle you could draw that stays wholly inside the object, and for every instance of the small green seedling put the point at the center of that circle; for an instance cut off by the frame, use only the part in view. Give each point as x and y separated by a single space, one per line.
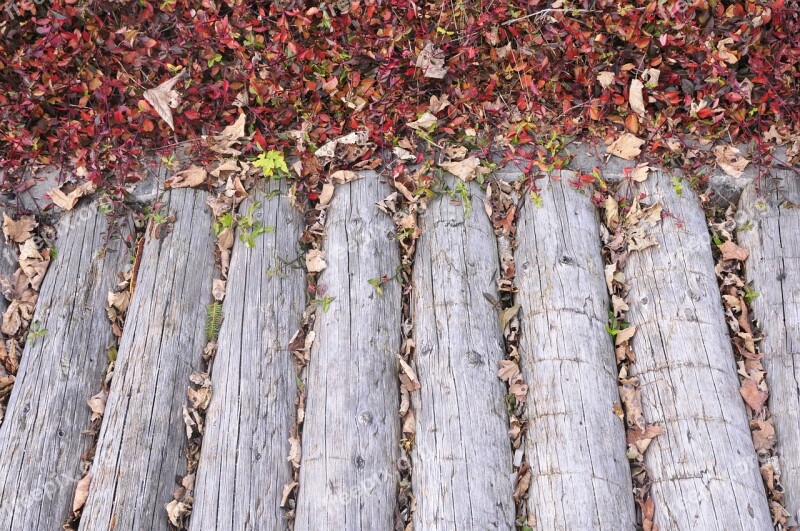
35 332
270 162
325 302
213 320
250 228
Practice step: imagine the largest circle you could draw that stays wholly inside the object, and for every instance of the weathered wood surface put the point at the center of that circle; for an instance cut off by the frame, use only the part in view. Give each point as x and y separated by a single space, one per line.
42 437
704 468
243 465
575 442
773 239
141 444
462 456
348 476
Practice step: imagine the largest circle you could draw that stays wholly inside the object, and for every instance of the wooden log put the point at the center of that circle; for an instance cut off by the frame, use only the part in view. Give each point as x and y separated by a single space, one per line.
772 235
704 468
348 477
462 455
43 435
140 450
243 466
575 442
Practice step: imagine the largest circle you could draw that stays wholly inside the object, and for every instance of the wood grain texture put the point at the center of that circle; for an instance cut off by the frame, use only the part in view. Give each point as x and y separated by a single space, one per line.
462 456
704 468
348 476
773 239
42 438
575 443
141 445
243 465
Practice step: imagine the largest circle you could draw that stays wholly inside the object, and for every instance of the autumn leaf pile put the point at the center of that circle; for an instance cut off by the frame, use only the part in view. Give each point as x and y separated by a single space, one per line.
73 75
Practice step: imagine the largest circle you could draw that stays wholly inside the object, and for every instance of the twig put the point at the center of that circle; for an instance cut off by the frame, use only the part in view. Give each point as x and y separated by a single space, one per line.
545 11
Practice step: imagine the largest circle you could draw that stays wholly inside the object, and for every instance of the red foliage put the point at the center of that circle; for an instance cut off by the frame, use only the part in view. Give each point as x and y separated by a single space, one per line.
72 72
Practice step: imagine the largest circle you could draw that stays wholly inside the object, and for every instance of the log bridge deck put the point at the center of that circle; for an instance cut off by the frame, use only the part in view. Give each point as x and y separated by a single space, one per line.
704 468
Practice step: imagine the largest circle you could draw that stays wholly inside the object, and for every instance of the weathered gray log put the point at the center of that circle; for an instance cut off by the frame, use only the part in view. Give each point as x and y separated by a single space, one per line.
704 468
141 445
43 435
243 465
348 476
462 455
772 235
575 442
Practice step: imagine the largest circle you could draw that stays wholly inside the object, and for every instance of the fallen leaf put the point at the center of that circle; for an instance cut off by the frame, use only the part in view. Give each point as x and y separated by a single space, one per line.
287 491
176 511
20 230
731 162
626 147
731 251
188 178
438 104
508 370
315 261
412 381
431 62
763 434
508 314
624 335
218 289
606 79
465 170
424 122
97 404
403 154
754 396
223 143
68 201
163 99
640 172
81 492
636 98
345 176
357 138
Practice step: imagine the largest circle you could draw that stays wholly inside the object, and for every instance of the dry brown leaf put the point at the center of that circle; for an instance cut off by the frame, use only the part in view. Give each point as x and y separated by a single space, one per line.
188 178
223 143
315 261
327 194
68 201
176 511
606 79
640 172
626 147
20 230
731 162
81 492
218 289
431 61
754 396
424 122
624 335
287 491
438 104
164 98
763 434
611 209
466 169
97 404
508 314
357 138
403 154
345 176
731 251
636 98
411 381
508 370
632 400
